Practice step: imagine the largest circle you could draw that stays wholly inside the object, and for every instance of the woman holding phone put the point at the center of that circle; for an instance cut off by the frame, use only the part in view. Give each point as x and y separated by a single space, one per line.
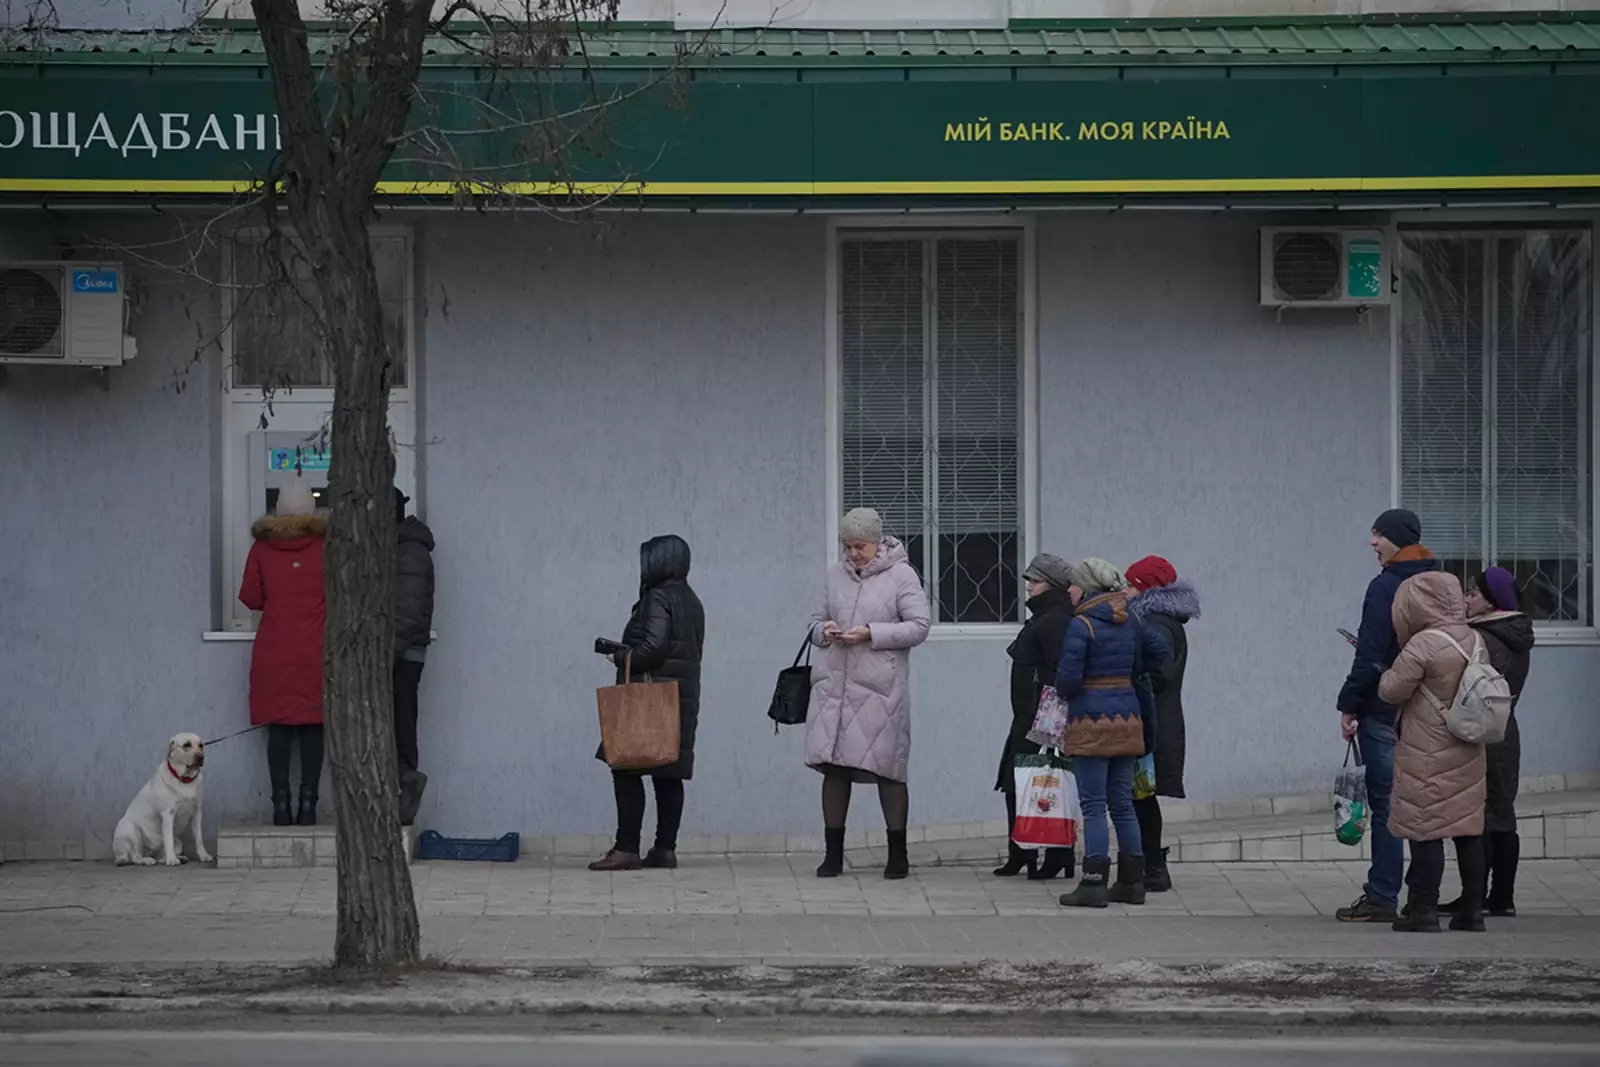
665 637
872 613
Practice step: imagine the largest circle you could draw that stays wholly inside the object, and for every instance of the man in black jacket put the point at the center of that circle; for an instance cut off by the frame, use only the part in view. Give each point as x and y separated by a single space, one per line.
413 631
1396 538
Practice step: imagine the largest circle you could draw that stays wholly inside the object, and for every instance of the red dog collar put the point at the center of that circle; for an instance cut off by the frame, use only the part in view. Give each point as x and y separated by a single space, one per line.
173 771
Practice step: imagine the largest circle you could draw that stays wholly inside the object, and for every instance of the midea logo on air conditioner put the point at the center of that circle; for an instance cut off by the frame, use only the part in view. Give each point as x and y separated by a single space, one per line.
94 281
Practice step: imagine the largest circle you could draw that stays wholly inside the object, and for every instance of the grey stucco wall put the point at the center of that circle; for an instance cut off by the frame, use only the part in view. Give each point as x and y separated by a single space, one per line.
583 392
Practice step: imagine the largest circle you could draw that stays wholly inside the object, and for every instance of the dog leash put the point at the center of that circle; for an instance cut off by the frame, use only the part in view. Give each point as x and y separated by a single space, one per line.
246 730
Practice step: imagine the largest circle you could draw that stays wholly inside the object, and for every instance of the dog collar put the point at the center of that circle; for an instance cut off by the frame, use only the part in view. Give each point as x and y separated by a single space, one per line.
174 772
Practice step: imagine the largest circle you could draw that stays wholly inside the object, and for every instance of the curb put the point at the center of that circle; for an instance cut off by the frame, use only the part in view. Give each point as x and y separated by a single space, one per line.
1469 1013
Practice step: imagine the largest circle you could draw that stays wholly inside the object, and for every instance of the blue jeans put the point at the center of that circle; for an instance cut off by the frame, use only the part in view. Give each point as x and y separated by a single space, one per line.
1376 737
1107 781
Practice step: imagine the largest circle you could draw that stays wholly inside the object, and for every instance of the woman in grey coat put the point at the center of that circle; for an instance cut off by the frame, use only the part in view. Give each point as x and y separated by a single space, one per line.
872 612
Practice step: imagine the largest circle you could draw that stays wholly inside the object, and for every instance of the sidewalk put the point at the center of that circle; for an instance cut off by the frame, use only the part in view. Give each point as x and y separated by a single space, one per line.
769 910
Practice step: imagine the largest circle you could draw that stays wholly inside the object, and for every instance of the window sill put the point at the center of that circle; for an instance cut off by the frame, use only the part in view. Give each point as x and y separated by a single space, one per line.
224 637
1566 637
974 631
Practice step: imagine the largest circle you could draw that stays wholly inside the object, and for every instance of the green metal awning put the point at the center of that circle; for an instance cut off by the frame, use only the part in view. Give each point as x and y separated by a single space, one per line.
1040 113
1458 40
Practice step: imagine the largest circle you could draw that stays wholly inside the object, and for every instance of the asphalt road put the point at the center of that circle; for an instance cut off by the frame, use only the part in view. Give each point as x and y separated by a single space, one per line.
177 1048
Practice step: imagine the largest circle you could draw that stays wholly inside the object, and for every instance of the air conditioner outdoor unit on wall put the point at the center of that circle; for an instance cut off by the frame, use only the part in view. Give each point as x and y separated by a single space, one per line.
1324 266
69 314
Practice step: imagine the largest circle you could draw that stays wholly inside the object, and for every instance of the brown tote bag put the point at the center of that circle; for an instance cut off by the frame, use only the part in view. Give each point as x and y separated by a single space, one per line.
638 722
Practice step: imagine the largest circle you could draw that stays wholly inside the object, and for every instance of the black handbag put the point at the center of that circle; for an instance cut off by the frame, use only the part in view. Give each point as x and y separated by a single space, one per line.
792 697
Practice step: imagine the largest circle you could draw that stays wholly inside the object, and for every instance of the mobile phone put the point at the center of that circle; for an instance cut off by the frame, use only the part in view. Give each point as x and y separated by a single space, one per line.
1348 636
606 647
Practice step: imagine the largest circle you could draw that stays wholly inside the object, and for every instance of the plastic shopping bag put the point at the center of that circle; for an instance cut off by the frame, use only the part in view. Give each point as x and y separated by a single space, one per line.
1047 802
1050 721
1350 799
1144 777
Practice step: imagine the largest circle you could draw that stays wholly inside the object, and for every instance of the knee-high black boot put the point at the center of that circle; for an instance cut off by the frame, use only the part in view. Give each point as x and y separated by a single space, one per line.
279 739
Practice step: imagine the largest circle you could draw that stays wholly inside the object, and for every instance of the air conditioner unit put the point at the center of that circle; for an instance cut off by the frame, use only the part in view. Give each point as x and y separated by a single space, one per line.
1324 266
70 314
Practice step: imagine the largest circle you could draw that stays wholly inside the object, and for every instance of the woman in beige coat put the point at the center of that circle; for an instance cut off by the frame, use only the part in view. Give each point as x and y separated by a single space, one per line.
1438 778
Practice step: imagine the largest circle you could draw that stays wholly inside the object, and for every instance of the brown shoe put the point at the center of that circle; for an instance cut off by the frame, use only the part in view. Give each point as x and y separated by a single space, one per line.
617 861
661 858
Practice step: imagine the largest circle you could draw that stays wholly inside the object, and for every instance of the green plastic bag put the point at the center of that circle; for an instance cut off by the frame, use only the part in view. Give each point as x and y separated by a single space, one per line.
1349 800
1144 777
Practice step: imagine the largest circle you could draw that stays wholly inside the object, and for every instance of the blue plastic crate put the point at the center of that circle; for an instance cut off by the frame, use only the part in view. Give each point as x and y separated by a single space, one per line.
432 845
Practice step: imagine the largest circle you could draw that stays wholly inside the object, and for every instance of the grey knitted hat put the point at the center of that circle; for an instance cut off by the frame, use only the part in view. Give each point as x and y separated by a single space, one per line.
861 524
1052 570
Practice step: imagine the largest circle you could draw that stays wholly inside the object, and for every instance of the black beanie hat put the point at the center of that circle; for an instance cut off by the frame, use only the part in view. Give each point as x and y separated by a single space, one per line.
1400 526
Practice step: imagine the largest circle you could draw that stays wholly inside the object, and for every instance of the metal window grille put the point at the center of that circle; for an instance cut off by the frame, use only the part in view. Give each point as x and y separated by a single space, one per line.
931 392
1496 353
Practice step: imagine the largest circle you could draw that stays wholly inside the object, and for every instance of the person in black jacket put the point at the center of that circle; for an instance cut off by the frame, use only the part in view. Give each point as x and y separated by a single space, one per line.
665 636
1367 720
1165 604
1033 666
1493 610
413 632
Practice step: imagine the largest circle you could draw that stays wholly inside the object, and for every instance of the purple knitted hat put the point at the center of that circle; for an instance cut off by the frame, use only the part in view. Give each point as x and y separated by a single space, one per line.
1498 585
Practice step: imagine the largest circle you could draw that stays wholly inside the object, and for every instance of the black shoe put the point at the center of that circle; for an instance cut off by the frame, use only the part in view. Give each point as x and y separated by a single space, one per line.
1057 861
1367 910
1468 919
664 859
1091 890
282 814
899 865
832 864
1017 861
1419 919
307 815
1502 911
1156 878
412 784
1130 880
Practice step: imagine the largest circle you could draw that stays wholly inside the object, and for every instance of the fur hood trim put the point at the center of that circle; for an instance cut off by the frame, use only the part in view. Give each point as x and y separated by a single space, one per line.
1178 600
286 527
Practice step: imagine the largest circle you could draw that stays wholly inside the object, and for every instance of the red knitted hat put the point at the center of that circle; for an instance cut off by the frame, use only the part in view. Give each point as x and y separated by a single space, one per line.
1152 572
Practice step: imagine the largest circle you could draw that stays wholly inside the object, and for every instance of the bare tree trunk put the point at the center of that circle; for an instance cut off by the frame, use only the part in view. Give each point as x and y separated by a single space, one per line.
336 143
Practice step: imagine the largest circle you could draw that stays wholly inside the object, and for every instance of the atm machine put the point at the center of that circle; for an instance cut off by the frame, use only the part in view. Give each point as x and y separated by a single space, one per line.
275 458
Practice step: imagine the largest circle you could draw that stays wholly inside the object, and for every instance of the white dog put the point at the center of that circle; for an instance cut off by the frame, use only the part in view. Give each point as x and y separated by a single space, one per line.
168 805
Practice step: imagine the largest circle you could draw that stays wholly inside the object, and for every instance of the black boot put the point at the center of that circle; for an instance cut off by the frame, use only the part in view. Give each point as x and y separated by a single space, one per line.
1056 861
282 815
412 784
1156 878
832 864
899 865
1421 916
307 815
1130 879
1091 891
1468 916
1018 859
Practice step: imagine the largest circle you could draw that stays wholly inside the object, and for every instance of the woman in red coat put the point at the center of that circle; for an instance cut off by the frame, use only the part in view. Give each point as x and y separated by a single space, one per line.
283 580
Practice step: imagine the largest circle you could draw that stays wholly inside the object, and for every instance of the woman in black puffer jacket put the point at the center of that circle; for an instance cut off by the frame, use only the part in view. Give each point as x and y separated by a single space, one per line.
666 635
1493 610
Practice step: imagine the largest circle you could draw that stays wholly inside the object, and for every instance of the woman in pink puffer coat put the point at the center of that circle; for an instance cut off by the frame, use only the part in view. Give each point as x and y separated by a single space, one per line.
873 611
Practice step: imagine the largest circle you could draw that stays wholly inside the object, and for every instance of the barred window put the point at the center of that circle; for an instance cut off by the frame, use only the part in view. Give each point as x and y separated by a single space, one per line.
931 392
1496 352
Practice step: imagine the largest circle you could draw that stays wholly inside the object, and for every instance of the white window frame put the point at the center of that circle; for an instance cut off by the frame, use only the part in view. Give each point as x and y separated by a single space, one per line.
934 225
234 401
1550 634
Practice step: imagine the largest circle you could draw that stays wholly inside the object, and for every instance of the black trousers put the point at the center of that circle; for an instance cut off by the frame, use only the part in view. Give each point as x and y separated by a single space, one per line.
629 789
280 743
1427 870
1148 811
407 677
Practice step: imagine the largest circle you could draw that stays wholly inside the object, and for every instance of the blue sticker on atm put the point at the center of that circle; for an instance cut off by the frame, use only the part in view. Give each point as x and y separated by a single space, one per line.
296 459
94 281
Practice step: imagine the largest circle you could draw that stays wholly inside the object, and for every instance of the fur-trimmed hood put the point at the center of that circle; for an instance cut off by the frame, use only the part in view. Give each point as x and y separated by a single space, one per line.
288 527
1178 600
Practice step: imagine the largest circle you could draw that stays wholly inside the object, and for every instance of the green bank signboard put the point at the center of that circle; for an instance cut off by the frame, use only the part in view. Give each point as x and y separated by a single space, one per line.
83 129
